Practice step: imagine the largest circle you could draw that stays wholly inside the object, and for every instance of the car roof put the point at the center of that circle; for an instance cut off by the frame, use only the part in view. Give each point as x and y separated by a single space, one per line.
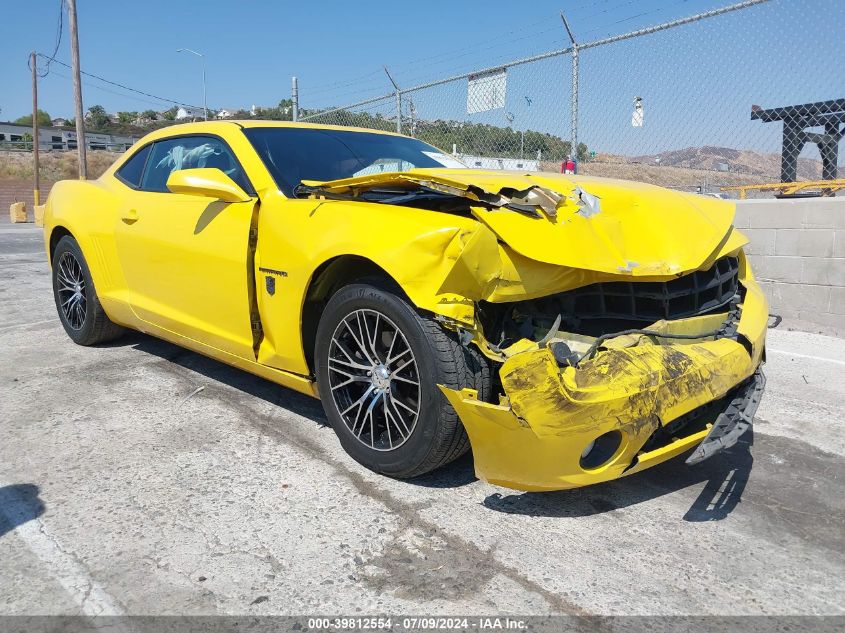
218 127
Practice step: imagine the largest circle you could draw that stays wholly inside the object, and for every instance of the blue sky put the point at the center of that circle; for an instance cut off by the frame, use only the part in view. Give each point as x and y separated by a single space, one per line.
710 73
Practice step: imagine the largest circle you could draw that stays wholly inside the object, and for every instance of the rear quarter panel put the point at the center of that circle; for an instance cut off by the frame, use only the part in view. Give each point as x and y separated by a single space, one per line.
88 209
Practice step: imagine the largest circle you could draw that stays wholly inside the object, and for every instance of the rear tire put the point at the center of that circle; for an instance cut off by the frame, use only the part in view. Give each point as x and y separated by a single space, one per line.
400 348
79 308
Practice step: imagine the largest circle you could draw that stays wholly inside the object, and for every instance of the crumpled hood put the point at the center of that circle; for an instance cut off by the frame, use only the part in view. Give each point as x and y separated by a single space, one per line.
605 225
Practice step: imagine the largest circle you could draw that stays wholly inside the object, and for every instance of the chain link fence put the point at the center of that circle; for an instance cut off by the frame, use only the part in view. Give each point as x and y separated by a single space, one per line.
712 100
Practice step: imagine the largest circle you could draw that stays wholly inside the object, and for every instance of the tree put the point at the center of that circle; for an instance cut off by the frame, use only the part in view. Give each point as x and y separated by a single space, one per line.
170 115
126 117
44 119
582 152
98 119
281 112
149 115
475 139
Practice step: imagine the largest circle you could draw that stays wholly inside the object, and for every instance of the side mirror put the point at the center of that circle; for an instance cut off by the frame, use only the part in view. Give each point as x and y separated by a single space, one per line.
208 182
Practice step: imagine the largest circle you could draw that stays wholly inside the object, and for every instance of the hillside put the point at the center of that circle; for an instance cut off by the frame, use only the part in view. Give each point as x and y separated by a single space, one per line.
54 165
766 166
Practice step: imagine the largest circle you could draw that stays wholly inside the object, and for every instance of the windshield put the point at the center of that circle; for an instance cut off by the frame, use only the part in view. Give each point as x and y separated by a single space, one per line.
296 154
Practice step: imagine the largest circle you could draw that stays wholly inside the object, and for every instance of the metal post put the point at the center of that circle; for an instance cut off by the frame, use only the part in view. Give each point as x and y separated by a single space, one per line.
36 187
574 122
413 112
574 105
828 148
794 138
204 94
398 94
77 91
294 97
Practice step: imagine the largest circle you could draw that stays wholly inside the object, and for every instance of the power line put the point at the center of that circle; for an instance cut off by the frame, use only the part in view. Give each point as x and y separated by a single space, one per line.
59 32
633 17
113 92
331 86
450 55
125 87
744 4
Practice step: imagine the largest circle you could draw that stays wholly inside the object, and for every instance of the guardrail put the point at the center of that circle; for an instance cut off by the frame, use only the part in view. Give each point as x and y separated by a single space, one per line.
804 187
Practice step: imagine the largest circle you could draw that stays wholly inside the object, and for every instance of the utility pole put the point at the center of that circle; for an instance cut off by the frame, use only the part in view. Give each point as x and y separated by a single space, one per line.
294 97
411 107
36 186
77 90
574 121
398 101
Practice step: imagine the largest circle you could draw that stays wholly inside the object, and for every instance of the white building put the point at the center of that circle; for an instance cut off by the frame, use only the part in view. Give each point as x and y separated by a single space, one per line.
13 136
183 113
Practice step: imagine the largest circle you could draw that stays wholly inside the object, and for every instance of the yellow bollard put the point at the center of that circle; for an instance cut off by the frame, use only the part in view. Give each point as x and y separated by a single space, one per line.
39 215
17 212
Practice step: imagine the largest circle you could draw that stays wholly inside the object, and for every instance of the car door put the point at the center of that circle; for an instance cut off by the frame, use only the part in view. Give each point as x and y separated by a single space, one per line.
184 257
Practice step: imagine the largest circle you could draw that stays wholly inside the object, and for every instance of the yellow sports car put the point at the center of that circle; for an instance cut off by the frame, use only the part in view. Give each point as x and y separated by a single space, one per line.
570 330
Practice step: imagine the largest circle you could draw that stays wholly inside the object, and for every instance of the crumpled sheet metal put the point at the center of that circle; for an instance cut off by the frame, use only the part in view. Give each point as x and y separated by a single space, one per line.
636 229
534 439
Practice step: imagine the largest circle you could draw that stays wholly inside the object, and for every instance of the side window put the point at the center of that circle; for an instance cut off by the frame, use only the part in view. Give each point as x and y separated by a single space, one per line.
133 169
189 152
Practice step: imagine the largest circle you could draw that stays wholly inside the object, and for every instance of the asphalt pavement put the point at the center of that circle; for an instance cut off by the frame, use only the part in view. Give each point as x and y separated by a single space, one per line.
140 478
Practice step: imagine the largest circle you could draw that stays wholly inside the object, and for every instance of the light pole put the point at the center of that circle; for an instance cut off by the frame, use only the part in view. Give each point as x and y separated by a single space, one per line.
510 117
202 57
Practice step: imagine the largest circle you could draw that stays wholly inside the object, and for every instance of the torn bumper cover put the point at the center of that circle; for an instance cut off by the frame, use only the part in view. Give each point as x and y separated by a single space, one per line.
640 404
734 421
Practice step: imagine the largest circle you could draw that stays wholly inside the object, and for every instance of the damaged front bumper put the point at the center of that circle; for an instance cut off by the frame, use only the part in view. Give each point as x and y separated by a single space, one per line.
734 420
653 398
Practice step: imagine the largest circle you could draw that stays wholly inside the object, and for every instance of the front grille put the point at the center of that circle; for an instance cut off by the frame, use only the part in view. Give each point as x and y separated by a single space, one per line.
613 306
696 293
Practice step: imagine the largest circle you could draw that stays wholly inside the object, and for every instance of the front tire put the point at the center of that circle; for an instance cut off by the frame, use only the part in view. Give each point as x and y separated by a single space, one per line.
378 364
80 312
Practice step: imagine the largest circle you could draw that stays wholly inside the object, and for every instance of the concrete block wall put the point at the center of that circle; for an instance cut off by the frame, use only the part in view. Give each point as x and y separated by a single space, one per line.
797 252
20 191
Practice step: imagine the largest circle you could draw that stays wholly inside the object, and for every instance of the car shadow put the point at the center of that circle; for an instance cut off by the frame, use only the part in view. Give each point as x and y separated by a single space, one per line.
19 504
725 475
215 370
